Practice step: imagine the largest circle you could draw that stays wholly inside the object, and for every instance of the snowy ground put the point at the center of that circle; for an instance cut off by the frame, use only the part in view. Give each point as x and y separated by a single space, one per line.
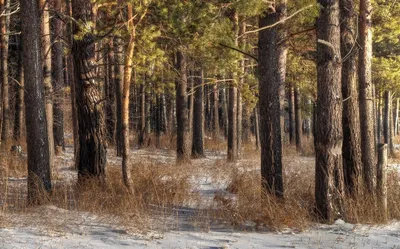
340 235
82 230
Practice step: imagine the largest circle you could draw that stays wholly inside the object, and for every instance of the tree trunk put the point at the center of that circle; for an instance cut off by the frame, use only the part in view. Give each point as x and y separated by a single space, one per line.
257 127
386 119
92 147
366 95
292 126
328 128
110 94
48 85
126 169
198 117
191 104
182 117
297 115
58 78
216 112
118 69
4 26
19 100
379 120
351 122
224 108
233 105
270 81
39 175
396 118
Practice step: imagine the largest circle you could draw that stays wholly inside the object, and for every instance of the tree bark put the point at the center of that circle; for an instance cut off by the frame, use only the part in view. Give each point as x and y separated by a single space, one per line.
58 78
292 125
386 119
118 74
126 169
270 81
257 127
216 112
92 147
351 149
198 117
182 117
328 128
366 95
4 27
19 101
48 85
232 104
39 174
142 125
396 118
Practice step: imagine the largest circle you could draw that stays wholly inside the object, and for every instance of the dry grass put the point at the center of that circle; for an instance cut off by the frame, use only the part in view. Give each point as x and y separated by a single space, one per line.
243 204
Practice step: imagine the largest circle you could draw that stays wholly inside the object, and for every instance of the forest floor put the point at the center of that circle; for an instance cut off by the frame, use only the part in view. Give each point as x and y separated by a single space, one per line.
189 225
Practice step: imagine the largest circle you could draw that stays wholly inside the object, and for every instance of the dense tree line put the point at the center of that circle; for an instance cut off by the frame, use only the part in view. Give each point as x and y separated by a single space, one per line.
271 73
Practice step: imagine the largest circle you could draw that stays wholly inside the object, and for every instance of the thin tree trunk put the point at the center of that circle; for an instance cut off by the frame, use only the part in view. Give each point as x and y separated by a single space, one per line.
19 101
118 69
396 118
142 125
366 95
191 103
351 149
48 86
386 119
224 115
232 109
4 26
198 117
182 117
39 173
126 170
216 112
58 78
379 119
270 82
257 127
297 115
292 126
92 147
328 129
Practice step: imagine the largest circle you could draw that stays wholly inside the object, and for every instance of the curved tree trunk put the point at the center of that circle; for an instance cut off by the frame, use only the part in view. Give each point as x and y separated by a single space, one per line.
269 54
351 122
39 174
328 128
366 95
92 147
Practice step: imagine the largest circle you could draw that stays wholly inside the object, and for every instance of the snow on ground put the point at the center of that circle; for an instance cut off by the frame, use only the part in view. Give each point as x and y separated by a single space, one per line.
339 235
81 230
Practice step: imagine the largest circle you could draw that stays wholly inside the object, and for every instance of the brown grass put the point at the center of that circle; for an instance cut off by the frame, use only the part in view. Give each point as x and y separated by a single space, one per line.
242 204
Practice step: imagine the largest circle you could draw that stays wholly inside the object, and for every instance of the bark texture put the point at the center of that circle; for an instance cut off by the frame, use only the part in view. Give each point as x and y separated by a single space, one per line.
92 148
366 95
198 118
182 117
269 54
39 175
328 128
351 149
